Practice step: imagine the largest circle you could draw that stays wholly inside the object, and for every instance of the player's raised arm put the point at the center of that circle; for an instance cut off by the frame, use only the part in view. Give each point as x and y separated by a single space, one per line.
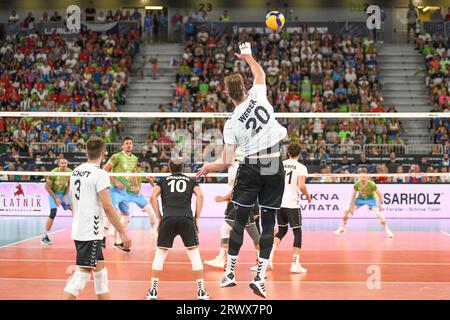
257 71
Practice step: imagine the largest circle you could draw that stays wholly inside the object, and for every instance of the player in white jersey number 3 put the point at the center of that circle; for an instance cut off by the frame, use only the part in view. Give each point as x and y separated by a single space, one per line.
260 176
89 188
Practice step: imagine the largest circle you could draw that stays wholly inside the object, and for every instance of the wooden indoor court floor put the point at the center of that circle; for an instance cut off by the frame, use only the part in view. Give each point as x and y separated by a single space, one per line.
356 265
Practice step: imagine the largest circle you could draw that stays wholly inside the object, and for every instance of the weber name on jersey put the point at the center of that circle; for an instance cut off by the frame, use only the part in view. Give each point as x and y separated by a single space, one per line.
85 182
293 169
176 195
252 125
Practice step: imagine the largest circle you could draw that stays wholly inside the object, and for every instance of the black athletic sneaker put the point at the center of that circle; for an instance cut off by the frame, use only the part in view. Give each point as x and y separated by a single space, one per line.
104 243
152 294
120 247
46 240
202 294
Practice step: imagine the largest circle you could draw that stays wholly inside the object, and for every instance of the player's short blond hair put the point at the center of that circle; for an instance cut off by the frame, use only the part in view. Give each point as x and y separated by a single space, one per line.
235 86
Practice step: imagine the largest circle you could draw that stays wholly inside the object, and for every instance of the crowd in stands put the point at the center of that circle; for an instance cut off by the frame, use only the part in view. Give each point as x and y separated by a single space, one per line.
436 52
40 72
306 72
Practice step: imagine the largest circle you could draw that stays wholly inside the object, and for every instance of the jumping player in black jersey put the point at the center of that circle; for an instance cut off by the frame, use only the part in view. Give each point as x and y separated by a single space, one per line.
260 177
176 193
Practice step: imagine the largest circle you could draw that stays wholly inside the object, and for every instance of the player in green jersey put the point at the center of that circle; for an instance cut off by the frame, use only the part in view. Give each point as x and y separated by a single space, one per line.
365 192
58 196
123 187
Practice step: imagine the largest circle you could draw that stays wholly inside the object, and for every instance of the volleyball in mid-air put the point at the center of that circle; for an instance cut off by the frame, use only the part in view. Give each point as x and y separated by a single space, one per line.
275 20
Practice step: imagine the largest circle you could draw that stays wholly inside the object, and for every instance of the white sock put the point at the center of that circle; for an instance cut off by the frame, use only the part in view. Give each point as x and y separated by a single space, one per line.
262 267
201 284
295 258
222 253
342 225
155 283
231 263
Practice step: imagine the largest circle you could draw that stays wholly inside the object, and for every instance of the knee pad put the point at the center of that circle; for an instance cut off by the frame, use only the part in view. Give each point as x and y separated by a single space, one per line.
196 260
267 235
242 214
101 281
158 260
282 231
253 233
53 213
297 237
225 230
77 283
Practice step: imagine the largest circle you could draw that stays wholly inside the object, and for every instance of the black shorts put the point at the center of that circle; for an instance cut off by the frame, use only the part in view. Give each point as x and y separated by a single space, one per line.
230 213
171 227
89 253
261 183
291 216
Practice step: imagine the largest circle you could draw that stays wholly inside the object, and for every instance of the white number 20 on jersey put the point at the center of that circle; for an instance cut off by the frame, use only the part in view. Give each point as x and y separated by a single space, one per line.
179 185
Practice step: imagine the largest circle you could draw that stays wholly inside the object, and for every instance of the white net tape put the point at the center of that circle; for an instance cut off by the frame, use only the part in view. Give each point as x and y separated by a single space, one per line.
224 175
292 115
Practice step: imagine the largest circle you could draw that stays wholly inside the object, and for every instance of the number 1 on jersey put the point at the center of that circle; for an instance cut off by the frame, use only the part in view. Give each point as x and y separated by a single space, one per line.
289 174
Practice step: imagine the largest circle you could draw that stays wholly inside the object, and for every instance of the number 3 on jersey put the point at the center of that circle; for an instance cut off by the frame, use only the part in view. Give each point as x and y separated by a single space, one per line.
77 191
263 117
178 185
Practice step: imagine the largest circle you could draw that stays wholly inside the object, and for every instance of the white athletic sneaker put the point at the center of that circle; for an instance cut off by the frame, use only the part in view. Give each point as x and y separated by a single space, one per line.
202 295
339 231
297 268
389 234
258 287
217 262
228 280
152 294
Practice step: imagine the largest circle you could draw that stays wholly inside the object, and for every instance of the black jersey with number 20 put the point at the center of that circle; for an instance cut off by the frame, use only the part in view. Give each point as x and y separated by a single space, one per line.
176 195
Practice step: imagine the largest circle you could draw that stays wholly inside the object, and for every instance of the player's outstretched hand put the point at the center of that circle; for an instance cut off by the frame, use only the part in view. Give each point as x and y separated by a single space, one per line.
203 171
126 240
246 51
219 199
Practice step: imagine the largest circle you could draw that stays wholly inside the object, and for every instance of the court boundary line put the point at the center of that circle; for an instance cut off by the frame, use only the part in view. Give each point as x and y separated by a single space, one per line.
28 239
240 263
239 282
